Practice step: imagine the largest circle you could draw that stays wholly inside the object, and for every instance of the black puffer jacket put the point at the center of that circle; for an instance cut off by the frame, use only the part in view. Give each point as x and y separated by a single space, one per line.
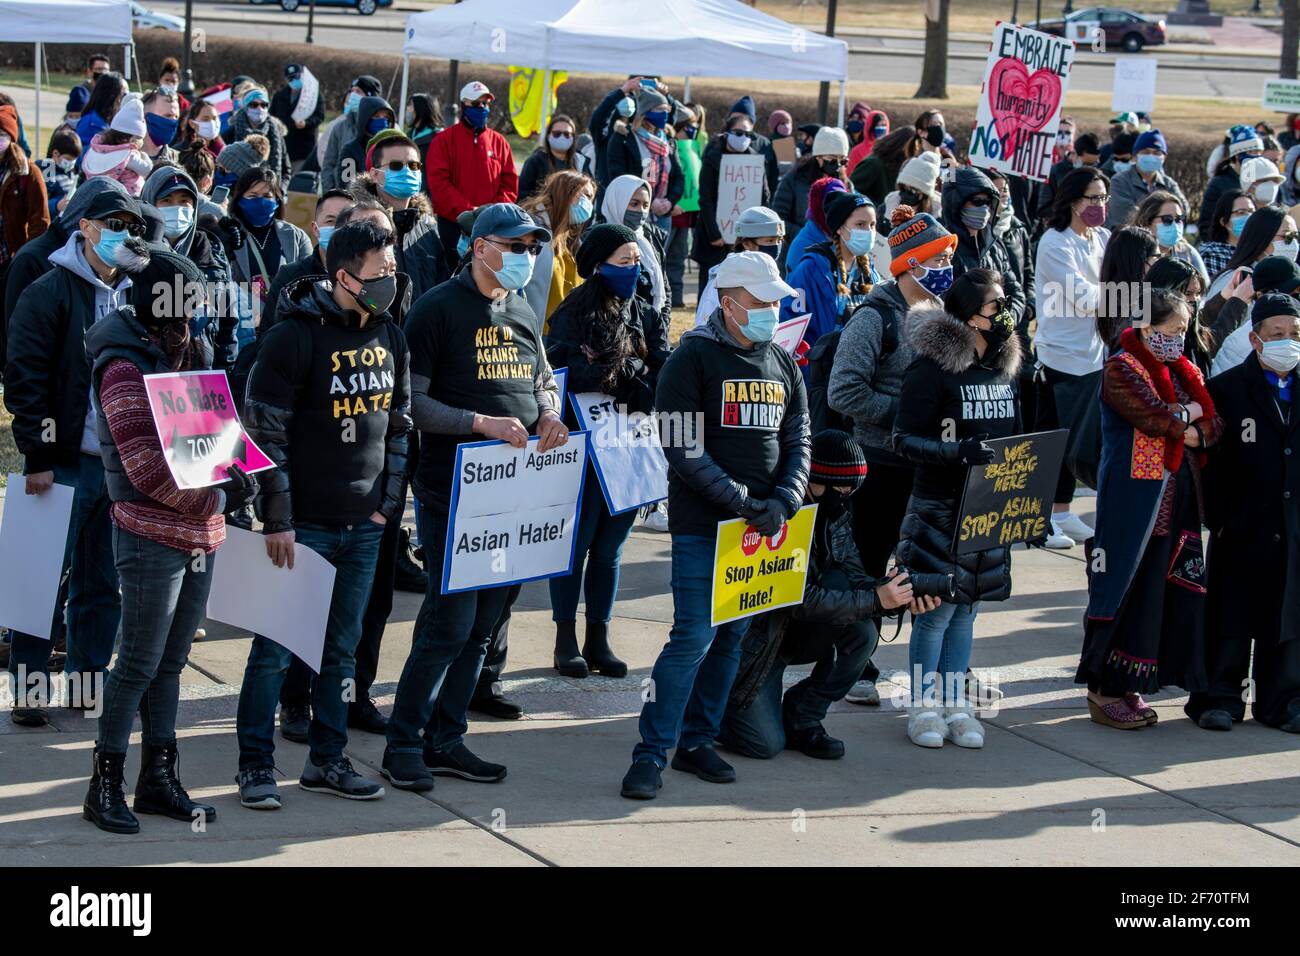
982 250
949 393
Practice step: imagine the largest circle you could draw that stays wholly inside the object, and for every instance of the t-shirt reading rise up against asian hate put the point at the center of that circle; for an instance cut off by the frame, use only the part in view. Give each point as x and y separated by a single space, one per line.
478 355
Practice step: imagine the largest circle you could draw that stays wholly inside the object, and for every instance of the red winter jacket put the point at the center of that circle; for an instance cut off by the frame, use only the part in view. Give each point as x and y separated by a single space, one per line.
465 170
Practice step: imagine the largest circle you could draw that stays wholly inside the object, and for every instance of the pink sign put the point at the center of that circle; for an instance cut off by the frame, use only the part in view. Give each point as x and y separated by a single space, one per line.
789 334
194 414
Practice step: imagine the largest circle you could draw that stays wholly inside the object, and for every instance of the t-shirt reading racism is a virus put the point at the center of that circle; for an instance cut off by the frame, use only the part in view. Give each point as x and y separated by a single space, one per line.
478 355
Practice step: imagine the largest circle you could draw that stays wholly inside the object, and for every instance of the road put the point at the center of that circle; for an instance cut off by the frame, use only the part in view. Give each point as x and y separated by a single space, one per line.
873 58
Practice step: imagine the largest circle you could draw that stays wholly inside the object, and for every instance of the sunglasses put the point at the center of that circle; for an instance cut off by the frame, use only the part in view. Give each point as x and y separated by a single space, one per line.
122 225
532 248
259 104
396 165
1169 219
1288 236
981 201
998 304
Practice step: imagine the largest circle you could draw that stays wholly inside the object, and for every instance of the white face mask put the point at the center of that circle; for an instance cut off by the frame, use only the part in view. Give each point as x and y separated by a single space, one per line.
1288 249
1266 192
1281 356
209 129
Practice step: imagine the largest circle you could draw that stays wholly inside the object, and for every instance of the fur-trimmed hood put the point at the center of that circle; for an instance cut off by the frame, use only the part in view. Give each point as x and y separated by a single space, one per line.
951 344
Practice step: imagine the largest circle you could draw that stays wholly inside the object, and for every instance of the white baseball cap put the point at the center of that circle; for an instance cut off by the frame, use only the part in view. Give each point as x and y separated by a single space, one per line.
474 91
1258 169
755 272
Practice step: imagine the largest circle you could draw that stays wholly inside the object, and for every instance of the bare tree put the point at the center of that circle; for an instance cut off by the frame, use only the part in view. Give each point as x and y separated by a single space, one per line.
934 71
1290 38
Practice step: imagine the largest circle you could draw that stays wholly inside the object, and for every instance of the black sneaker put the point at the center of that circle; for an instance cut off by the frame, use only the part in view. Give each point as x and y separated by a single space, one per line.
406 772
459 762
643 781
705 763
30 716
364 715
409 574
494 705
1215 719
338 778
294 722
814 742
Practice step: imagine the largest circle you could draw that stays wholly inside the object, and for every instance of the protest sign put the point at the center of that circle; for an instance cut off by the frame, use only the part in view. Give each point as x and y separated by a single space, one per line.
753 574
194 415
1281 96
33 536
1135 85
307 96
514 513
740 186
789 334
1010 500
288 606
625 448
562 383
1025 82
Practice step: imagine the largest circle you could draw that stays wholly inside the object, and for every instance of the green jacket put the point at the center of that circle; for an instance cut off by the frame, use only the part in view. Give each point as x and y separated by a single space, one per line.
689 152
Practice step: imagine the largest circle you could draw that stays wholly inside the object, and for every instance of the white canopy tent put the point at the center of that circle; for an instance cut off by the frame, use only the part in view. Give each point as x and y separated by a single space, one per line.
101 22
670 38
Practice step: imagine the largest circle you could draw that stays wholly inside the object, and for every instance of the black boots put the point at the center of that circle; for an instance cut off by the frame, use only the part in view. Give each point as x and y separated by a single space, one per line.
597 653
567 659
105 804
159 788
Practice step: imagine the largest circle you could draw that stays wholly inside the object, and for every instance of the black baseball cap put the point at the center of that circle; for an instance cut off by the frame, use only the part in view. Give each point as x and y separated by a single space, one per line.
1276 274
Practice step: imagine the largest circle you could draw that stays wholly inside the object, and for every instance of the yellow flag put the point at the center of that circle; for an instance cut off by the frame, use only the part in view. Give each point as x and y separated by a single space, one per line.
526 97
753 574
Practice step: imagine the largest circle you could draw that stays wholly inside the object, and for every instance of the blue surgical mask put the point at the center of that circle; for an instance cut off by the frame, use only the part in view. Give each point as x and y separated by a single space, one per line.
376 125
1122 165
475 116
401 185
108 244
177 219
761 325
1150 163
516 269
860 241
1281 356
258 210
581 210
1238 224
620 280
936 281
161 129
352 102
462 247
1169 234
879 131
295 84
325 233
625 107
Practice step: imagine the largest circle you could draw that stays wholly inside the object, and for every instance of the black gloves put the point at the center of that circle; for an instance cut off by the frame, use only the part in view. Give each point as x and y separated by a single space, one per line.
232 234
974 451
769 519
240 488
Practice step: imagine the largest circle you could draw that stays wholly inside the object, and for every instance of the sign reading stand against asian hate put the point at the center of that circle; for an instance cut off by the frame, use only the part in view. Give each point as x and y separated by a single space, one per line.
1025 83
194 415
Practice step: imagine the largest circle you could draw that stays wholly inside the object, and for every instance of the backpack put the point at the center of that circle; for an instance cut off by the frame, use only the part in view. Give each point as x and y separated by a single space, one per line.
821 361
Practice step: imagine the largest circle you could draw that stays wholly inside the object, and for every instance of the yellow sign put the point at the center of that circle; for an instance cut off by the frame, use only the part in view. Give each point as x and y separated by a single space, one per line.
526 97
753 574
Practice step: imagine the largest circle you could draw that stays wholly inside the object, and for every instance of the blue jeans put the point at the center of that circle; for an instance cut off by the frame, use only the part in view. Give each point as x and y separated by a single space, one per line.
693 674
939 651
164 597
600 540
94 604
452 632
353 550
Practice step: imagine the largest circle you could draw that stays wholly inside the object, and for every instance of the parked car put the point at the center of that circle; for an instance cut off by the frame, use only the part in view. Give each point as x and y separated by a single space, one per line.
364 7
1122 28
143 19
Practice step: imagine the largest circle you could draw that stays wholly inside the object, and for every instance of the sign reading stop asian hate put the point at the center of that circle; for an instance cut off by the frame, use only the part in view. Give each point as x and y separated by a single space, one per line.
753 574
194 416
1010 500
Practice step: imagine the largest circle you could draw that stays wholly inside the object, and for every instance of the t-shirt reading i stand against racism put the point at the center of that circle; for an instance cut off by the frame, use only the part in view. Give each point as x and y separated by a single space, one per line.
478 355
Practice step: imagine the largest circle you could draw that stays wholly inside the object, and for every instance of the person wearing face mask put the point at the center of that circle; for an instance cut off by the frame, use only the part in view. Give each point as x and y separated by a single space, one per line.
1165 215
745 108
300 140
1262 181
105 98
255 117
468 165
1069 347
333 490
24 203
971 204
691 142
323 224
341 131
875 128
1269 236
754 465
59 170
1230 318
1252 495
829 153
48 392
1146 176
373 117
162 122
610 344
930 129
1120 155
556 150
202 125
835 276
565 205
1224 167
456 399
394 177
1121 124
1179 276
876 176
641 148
965 348
917 184
617 106
1145 621
832 629
627 200
780 125
758 229
1087 152
422 120
169 81
97 64
1230 217
709 246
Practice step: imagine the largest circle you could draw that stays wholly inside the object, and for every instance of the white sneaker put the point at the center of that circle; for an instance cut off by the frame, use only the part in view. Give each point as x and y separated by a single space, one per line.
963 729
864 692
1067 522
657 519
926 728
1058 540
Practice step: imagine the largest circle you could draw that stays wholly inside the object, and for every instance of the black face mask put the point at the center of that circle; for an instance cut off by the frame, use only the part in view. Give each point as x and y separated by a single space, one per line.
1003 325
934 134
831 168
773 250
831 505
376 295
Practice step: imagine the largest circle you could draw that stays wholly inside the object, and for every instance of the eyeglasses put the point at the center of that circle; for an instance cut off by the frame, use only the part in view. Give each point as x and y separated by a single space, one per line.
1096 200
396 165
1169 219
532 248
122 225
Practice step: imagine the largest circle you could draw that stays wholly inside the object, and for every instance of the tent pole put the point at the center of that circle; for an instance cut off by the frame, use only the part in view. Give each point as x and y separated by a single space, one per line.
406 76
37 67
686 90
126 64
844 84
546 101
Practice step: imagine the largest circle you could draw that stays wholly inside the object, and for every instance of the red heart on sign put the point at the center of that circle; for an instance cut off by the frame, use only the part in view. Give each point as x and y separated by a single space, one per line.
1021 102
